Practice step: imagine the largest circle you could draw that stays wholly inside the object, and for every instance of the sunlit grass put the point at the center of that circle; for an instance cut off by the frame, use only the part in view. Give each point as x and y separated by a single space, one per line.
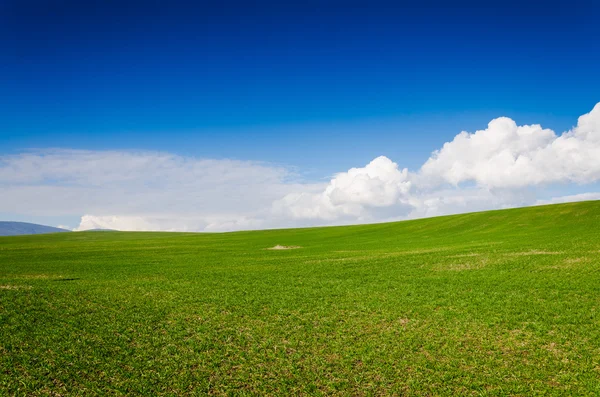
496 303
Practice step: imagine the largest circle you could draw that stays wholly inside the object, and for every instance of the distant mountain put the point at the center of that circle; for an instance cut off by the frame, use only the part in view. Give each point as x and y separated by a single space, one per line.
19 228
100 230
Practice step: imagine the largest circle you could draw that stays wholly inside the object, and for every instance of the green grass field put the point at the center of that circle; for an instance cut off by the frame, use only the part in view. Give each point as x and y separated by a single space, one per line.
493 303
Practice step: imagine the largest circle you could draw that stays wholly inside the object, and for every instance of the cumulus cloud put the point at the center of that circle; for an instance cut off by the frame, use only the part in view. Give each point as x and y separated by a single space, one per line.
509 156
359 194
492 168
504 165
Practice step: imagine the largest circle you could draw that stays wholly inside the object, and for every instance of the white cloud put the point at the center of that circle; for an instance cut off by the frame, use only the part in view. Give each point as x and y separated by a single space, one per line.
360 194
141 190
509 156
469 199
505 165
570 198
173 222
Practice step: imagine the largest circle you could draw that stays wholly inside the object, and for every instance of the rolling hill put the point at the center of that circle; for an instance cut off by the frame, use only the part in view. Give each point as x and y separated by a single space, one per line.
492 303
20 228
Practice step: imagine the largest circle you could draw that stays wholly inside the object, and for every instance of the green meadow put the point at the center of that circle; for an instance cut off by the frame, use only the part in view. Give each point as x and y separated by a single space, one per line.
492 303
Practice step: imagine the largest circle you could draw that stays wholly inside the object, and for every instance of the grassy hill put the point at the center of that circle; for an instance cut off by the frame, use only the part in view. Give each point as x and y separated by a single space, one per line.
492 303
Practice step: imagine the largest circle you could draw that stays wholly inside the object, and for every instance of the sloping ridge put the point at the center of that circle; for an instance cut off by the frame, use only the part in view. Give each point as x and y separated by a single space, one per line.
21 228
567 220
545 225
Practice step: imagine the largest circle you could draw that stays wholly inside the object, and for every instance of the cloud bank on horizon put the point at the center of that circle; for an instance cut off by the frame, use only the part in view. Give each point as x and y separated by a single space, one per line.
504 165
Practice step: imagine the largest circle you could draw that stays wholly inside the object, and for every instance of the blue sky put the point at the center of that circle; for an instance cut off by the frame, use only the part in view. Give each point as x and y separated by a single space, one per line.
315 87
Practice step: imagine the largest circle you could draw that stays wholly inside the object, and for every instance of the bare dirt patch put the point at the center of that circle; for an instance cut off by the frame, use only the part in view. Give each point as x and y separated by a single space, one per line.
284 247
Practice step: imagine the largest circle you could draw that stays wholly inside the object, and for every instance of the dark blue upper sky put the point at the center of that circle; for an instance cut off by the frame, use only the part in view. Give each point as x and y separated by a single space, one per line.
323 85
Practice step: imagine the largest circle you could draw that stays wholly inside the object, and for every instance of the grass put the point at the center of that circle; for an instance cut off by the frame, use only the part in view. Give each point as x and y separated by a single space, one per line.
493 303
